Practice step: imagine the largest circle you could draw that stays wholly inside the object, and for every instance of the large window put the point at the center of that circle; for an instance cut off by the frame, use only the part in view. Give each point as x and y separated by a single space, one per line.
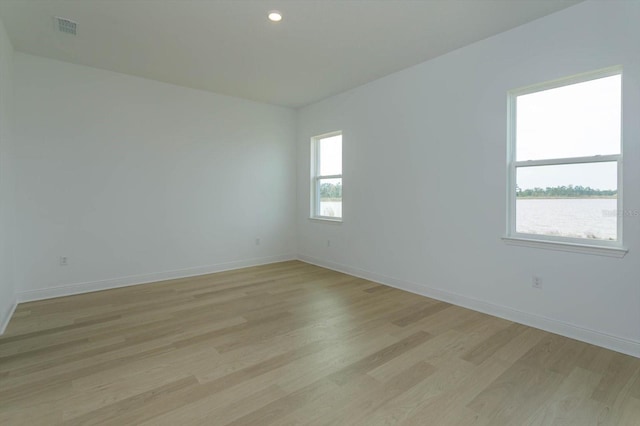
565 160
326 169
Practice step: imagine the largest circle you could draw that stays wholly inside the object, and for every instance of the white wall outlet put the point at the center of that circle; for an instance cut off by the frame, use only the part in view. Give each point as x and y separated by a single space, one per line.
257 241
328 243
536 282
64 261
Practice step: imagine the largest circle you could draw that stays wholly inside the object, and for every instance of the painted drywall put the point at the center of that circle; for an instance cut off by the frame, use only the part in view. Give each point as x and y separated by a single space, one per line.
425 179
7 200
134 180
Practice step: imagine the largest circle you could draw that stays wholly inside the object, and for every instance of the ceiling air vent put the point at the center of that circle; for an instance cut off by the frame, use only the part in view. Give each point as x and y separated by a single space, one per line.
66 25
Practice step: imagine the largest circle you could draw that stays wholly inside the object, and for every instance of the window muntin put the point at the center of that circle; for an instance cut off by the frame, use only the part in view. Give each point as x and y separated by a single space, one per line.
327 176
565 160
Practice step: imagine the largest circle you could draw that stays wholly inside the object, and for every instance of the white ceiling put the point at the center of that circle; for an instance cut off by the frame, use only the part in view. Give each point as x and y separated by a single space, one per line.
319 49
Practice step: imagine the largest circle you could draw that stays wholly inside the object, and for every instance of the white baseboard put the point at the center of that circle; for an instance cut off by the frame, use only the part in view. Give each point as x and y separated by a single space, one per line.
5 316
618 344
86 287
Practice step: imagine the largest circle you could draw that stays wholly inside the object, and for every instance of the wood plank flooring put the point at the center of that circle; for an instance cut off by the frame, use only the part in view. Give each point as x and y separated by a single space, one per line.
295 344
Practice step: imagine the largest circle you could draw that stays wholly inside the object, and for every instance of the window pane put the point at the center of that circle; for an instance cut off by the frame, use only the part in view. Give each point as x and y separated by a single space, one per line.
577 120
331 156
576 200
330 197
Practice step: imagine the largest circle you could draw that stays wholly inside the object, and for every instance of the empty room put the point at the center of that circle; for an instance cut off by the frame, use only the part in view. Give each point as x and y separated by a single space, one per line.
320 212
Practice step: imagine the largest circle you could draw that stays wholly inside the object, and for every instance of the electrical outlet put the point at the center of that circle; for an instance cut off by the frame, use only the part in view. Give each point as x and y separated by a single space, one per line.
536 282
64 261
328 243
257 241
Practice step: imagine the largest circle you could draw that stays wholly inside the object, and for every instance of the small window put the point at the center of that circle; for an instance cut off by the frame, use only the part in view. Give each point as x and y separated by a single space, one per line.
565 160
326 181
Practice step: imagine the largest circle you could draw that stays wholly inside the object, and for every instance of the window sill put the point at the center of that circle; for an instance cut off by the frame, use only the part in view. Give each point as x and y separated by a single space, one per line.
570 247
326 219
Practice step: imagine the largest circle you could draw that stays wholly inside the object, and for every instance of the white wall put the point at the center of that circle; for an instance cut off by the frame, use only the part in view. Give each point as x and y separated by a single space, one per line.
432 140
7 200
135 180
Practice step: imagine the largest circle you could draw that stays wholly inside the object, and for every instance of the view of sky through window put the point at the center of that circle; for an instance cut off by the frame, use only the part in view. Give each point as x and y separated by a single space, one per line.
594 175
577 120
331 156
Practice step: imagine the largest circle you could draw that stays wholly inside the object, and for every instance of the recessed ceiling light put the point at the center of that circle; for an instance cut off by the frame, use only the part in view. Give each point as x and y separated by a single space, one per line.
275 16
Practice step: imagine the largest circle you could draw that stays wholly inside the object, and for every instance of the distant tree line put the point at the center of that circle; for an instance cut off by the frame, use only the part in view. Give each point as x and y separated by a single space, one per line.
329 190
565 192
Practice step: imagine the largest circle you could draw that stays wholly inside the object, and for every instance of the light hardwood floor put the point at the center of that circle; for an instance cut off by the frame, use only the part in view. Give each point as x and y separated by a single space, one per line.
295 344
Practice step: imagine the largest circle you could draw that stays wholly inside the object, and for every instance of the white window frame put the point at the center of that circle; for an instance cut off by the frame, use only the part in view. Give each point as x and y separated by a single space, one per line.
583 245
316 178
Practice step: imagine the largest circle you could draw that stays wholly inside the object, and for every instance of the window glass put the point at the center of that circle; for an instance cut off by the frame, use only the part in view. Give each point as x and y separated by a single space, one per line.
578 120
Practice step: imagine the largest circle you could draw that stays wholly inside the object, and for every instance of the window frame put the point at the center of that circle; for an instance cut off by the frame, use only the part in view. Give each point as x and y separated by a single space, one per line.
603 247
316 178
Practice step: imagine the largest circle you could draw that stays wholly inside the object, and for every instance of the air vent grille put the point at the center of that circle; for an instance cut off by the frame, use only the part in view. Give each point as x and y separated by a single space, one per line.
66 25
